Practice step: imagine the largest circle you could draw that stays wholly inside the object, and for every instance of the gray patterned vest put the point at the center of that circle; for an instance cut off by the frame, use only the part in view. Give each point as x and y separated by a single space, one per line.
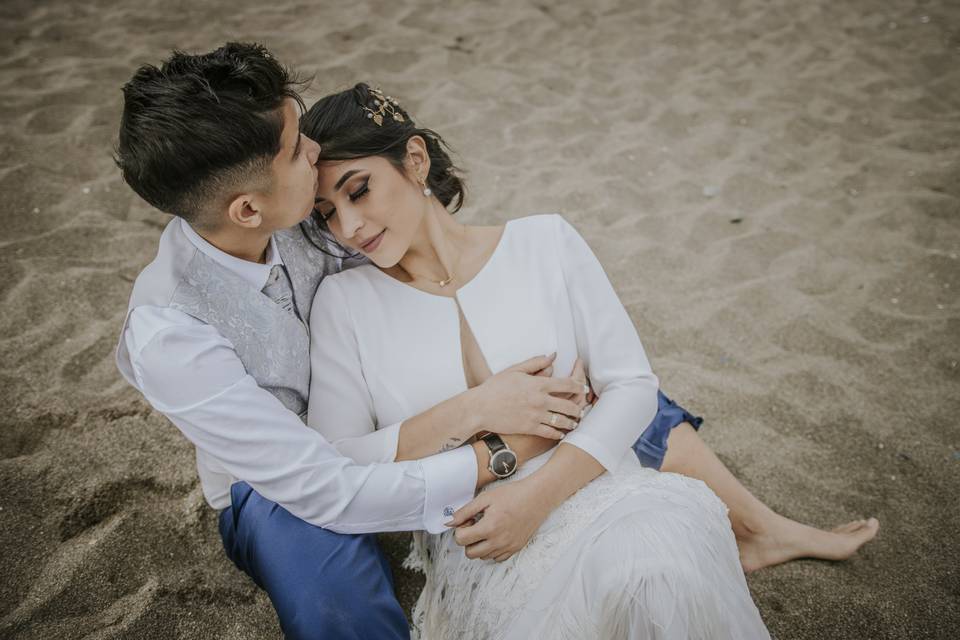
273 345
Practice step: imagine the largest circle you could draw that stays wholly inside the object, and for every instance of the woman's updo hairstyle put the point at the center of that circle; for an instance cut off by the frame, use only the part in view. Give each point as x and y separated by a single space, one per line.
345 130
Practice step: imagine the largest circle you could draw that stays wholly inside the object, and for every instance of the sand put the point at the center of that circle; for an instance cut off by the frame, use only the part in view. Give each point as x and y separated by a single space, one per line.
772 186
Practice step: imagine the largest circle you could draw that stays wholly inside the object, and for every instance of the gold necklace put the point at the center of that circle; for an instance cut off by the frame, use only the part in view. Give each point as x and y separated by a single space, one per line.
453 274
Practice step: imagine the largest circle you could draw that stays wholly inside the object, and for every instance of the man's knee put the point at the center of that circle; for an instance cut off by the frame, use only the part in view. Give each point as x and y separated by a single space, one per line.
325 614
322 584
345 595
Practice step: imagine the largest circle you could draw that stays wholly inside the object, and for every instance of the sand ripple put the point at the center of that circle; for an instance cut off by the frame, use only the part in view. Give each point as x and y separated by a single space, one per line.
773 188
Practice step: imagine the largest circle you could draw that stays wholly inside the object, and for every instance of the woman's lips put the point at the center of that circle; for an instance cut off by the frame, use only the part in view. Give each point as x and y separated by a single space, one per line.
371 245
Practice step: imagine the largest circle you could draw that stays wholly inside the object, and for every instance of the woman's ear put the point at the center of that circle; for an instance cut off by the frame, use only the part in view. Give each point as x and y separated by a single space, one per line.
418 157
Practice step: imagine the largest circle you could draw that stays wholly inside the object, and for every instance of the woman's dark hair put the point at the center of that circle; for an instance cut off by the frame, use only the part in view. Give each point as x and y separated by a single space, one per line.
340 124
201 127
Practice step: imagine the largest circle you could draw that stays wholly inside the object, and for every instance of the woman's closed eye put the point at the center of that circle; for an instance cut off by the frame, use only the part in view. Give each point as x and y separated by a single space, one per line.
361 191
326 211
322 209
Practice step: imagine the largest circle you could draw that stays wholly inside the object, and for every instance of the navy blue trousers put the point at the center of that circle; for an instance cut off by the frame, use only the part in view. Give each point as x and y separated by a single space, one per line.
333 586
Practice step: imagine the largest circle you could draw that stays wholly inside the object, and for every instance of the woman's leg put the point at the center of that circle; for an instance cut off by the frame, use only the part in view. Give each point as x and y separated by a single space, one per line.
764 537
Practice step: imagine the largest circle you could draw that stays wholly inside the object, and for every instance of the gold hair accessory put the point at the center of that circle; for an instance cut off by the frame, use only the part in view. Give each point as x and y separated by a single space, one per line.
385 105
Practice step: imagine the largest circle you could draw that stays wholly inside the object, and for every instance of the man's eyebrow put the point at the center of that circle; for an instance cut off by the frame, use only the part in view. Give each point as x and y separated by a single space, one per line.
296 147
344 178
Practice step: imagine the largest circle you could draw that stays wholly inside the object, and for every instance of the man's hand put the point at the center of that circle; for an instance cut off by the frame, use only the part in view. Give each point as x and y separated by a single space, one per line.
524 399
498 523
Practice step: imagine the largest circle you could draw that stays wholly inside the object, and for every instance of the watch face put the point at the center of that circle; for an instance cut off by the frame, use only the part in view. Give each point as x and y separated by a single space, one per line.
503 463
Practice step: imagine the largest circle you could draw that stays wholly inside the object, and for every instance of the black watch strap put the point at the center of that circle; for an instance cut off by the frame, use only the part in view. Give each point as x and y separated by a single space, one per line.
503 461
494 442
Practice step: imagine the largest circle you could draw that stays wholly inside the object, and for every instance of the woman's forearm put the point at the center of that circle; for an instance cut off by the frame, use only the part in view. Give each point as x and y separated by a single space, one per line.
524 447
566 472
512 401
441 428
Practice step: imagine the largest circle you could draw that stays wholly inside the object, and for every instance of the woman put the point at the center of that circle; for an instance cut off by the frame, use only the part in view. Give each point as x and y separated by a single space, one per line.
630 553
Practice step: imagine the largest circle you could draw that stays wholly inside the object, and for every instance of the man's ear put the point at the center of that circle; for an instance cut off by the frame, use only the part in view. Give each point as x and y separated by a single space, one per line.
244 212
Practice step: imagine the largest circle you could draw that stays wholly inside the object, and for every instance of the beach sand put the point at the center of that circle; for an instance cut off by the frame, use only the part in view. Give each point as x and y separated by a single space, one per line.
773 187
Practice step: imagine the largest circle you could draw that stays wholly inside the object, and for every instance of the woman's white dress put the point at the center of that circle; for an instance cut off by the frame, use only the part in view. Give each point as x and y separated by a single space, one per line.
634 554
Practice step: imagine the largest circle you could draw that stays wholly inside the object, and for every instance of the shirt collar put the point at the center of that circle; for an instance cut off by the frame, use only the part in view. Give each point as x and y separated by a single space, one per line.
253 272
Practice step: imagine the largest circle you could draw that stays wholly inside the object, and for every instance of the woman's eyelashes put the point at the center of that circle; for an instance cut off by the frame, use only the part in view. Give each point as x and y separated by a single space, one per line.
329 212
325 213
361 191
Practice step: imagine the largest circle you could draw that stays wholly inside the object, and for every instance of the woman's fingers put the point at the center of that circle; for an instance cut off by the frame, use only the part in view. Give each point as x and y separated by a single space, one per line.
562 386
504 556
550 433
565 407
466 536
558 421
578 372
481 549
533 365
580 375
545 373
468 511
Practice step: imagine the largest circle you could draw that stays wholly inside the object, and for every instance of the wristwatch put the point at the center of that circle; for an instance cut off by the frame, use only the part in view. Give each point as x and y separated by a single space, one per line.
503 461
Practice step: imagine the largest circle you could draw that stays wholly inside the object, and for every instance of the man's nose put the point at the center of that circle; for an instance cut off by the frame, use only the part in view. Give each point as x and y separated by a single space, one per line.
313 150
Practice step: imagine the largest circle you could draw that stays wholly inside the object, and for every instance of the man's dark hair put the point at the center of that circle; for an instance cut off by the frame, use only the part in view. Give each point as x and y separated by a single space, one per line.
201 128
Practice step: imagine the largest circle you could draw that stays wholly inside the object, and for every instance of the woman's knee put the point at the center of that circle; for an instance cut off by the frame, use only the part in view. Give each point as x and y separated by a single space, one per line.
684 446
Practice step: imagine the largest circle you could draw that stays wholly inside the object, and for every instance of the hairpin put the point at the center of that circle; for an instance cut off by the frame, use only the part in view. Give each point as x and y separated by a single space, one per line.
384 105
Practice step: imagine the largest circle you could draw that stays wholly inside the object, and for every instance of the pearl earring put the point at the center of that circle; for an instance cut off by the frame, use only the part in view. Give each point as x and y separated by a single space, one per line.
426 190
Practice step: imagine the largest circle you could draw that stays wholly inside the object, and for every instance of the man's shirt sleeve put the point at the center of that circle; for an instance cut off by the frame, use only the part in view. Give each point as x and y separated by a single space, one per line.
192 374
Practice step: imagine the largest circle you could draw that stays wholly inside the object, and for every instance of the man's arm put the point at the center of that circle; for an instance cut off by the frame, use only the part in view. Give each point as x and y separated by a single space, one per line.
189 372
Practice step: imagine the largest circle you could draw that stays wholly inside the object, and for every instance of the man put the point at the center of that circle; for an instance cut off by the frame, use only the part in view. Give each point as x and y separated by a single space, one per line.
216 338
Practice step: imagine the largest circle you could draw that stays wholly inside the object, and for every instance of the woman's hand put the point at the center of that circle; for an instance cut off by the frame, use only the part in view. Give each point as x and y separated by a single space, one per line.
524 399
498 523
585 395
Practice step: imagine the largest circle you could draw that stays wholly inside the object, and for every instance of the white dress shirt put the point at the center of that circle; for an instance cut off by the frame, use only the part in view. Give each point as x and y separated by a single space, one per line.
390 351
188 371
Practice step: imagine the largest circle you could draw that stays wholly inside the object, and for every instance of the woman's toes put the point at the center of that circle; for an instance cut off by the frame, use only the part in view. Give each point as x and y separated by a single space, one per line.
872 526
849 527
859 536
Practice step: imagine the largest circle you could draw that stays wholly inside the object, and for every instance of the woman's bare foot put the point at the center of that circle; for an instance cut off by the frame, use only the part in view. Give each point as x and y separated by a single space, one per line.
780 539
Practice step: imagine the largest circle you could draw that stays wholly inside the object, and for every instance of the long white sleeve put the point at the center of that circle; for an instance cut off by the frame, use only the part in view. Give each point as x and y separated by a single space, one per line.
192 374
340 405
612 353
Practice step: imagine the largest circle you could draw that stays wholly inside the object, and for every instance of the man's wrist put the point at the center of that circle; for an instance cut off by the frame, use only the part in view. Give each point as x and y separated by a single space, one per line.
484 475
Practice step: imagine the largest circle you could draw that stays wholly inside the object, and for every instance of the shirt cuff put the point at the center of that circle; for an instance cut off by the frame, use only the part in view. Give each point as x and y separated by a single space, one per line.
391 440
600 452
451 481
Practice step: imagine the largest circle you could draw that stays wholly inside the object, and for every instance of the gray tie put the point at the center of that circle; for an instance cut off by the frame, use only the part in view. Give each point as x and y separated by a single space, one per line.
279 290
